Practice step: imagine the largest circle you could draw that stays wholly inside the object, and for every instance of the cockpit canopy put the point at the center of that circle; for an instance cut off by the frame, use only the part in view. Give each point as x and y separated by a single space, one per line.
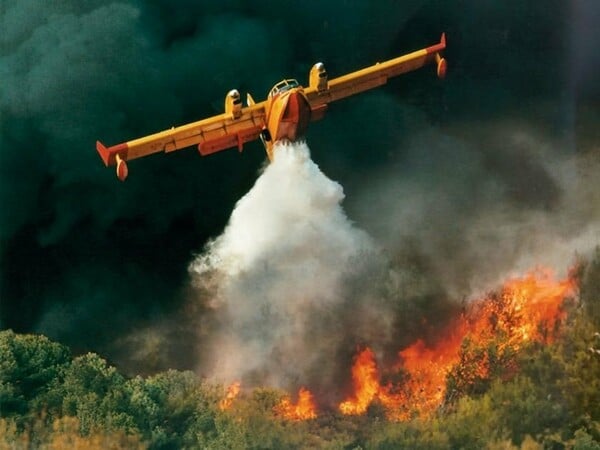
283 86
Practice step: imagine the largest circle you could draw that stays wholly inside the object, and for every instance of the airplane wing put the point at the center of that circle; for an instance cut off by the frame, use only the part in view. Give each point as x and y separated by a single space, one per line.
220 132
240 125
319 94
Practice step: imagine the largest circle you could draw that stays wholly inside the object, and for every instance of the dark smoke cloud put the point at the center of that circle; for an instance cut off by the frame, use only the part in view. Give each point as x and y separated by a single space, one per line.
457 181
497 205
74 72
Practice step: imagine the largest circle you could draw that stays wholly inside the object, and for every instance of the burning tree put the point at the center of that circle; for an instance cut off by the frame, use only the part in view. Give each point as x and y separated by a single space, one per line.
478 347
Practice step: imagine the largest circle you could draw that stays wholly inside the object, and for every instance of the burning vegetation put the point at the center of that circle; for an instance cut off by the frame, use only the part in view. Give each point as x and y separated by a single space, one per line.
303 409
232 392
478 346
484 339
517 368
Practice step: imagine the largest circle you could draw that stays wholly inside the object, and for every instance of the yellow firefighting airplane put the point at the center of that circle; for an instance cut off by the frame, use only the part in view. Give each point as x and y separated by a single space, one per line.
284 115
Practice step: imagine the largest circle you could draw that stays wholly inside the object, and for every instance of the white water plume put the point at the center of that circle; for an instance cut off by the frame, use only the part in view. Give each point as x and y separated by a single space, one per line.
288 278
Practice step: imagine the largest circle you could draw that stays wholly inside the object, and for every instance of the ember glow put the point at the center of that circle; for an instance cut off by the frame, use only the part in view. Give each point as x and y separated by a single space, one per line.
526 309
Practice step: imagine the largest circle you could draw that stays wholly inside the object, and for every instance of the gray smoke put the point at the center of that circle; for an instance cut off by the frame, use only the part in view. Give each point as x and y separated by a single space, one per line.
485 203
293 287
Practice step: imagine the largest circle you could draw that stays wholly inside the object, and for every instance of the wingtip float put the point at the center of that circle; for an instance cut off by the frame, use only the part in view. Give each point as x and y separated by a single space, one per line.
284 115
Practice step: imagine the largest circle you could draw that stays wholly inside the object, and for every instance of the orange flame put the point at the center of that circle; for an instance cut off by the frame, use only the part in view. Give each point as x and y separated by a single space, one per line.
232 392
527 309
365 379
478 345
304 409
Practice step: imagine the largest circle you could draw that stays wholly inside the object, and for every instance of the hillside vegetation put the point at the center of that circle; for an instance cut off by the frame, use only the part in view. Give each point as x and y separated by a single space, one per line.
50 399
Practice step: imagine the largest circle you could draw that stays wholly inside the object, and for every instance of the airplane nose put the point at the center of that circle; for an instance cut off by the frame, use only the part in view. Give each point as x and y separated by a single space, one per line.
292 108
296 115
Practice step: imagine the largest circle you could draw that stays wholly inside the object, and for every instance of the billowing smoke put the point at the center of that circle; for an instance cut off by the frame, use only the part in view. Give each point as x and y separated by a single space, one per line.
290 280
293 286
458 181
77 71
482 205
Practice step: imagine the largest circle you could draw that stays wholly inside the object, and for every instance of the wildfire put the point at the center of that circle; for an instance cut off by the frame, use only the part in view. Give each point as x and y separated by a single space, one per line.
232 392
304 409
365 379
527 309
480 344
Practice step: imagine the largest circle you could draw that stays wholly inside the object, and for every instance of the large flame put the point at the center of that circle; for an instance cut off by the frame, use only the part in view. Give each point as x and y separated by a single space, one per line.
527 309
304 408
365 379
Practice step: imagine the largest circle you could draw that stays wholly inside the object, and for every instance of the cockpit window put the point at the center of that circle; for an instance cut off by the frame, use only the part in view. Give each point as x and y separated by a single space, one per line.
283 86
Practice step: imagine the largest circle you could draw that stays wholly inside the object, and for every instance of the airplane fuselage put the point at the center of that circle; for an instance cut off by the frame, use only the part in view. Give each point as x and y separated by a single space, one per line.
288 113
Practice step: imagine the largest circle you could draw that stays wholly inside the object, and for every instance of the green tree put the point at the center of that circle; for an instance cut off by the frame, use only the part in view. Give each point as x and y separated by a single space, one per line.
585 441
416 434
29 364
95 393
174 409
527 408
473 424
579 353
589 291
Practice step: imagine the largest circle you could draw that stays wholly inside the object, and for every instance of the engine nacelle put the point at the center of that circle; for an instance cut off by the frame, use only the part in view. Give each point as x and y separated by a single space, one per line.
233 104
442 66
318 77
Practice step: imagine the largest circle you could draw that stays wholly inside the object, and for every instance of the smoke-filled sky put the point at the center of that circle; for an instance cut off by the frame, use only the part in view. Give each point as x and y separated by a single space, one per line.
457 182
